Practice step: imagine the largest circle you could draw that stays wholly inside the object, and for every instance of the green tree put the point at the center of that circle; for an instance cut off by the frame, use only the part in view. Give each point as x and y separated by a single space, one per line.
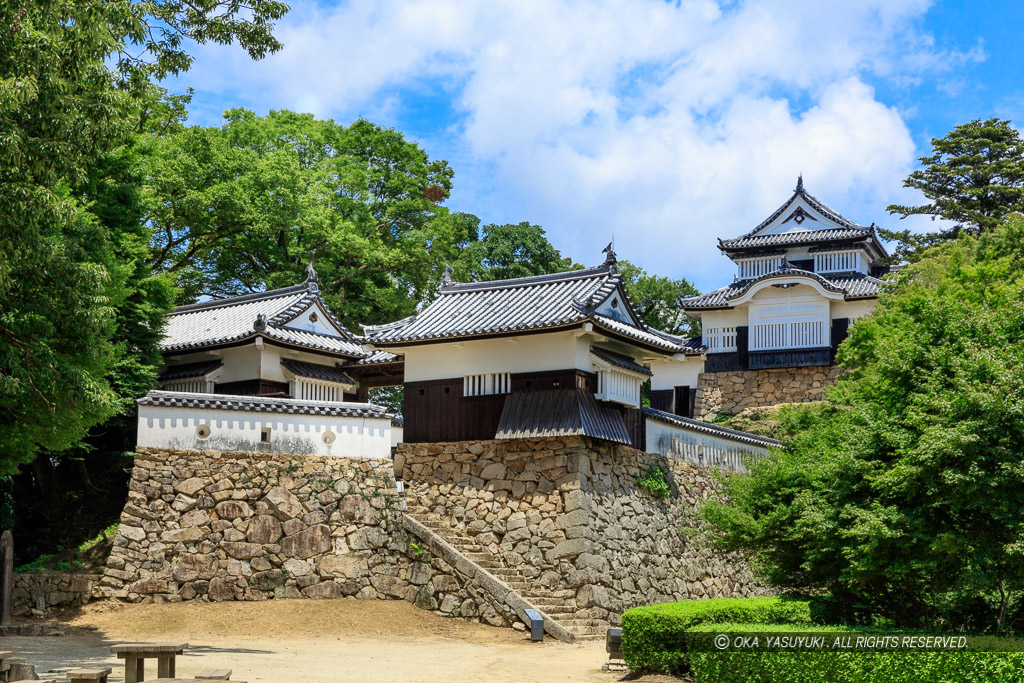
901 497
509 251
248 205
974 178
71 78
656 300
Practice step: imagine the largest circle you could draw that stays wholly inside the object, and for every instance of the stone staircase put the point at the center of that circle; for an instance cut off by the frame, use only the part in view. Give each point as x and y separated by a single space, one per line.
553 602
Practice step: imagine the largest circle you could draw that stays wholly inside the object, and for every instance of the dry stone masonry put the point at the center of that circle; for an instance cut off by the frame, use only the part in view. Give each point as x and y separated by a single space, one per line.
207 525
44 591
564 522
732 392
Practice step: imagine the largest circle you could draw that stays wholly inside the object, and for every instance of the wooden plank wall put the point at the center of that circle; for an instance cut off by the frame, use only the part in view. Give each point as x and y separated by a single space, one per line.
436 410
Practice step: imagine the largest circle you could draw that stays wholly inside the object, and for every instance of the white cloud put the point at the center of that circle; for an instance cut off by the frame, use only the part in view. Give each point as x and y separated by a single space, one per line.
665 124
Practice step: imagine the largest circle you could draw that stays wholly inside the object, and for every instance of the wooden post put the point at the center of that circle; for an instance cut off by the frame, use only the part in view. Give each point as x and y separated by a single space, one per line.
7 587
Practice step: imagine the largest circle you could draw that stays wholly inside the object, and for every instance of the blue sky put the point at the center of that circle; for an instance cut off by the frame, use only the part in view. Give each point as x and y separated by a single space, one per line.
663 125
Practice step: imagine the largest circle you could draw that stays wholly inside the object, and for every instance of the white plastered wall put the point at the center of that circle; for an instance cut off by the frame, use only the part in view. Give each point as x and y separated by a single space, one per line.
237 430
690 445
321 325
672 372
527 353
563 350
252 361
852 309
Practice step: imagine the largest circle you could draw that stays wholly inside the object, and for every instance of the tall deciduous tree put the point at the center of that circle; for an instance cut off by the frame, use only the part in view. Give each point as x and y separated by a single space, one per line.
71 77
248 205
901 498
656 300
509 251
974 178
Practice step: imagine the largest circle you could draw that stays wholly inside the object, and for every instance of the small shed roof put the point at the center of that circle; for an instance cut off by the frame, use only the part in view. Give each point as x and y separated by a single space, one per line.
559 412
326 373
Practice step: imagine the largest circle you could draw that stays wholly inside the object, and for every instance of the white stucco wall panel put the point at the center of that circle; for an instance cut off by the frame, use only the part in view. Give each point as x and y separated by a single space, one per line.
670 372
236 430
696 447
527 353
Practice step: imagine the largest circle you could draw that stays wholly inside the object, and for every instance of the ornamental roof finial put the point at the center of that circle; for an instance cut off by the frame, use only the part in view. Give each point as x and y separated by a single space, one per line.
609 252
311 280
800 183
446 279
261 322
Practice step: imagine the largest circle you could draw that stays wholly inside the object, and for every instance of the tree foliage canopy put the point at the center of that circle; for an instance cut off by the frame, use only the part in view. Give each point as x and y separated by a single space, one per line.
656 299
973 178
74 78
509 251
901 498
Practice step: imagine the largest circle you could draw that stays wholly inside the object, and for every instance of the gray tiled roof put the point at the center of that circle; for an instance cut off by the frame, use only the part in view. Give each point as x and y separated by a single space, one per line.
712 429
327 373
375 358
559 412
189 370
543 302
796 238
260 404
620 361
265 314
852 285
843 230
693 345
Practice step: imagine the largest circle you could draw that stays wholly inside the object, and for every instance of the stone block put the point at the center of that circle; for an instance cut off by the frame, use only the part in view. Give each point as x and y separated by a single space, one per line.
194 518
264 529
191 486
242 550
351 566
357 510
233 509
222 589
567 548
188 535
284 503
192 566
323 590
266 580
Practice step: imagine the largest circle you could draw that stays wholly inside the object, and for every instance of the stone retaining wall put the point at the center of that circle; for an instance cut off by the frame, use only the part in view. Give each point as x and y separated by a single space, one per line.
207 525
51 589
733 392
568 513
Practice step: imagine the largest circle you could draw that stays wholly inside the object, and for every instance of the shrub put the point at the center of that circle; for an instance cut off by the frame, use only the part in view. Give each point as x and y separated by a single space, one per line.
654 482
654 637
847 666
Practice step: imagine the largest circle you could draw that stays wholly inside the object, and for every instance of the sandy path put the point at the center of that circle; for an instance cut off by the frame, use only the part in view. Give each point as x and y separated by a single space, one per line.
305 641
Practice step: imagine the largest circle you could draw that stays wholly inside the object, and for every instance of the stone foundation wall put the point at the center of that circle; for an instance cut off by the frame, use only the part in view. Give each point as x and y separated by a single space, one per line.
51 589
207 525
733 392
568 513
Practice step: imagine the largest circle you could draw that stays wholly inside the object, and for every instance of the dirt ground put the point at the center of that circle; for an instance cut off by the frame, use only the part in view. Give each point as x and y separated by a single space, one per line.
307 641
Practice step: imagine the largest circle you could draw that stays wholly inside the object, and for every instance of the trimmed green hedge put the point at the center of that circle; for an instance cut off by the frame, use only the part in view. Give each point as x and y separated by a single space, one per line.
653 638
848 667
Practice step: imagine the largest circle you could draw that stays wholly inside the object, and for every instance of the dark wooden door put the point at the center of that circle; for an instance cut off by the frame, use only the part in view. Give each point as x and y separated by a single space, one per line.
683 407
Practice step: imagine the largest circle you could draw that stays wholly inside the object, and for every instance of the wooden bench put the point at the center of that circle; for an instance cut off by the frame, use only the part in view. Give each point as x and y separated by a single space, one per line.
214 675
136 654
89 675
